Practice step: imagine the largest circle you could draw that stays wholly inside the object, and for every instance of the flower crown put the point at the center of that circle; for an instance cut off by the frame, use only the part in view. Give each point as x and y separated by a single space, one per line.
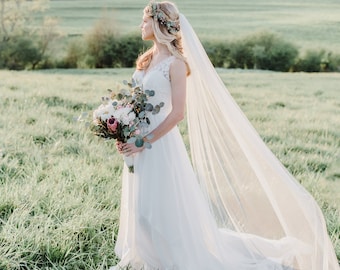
173 27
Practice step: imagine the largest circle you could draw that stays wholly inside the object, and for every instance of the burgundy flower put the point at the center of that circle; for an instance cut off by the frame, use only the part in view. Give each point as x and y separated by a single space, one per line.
112 124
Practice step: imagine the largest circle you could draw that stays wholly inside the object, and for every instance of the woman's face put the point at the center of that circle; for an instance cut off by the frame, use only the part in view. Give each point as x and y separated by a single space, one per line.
146 27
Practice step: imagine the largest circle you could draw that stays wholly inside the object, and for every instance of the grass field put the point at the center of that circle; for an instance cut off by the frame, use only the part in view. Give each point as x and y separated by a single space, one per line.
60 186
308 24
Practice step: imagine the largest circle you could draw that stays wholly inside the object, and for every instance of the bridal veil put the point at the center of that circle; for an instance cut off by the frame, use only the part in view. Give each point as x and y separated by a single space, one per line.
247 187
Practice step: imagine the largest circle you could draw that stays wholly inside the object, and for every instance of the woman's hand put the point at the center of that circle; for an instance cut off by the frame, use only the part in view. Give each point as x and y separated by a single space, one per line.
128 148
119 147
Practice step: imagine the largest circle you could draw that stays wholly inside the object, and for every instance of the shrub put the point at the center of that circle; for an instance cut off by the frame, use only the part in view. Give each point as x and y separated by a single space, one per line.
241 54
19 53
272 52
263 51
318 61
74 56
334 62
310 62
218 53
101 44
113 51
128 48
102 52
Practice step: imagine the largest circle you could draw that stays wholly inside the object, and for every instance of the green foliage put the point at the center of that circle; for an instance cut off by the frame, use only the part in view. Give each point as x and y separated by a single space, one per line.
258 51
318 61
114 51
294 20
106 49
241 55
263 50
103 53
332 62
24 41
75 55
272 52
218 52
129 47
311 62
18 53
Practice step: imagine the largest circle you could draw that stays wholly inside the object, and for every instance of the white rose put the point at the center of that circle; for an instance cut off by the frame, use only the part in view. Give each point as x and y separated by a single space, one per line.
132 116
124 115
104 112
98 112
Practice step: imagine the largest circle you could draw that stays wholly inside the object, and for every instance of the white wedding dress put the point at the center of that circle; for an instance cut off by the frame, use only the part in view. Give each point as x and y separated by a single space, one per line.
231 206
165 221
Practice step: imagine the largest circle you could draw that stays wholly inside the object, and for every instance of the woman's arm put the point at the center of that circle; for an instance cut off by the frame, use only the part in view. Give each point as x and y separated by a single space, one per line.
177 72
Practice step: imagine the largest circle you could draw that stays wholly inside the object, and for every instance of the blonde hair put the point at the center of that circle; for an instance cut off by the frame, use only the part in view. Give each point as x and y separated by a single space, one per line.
172 39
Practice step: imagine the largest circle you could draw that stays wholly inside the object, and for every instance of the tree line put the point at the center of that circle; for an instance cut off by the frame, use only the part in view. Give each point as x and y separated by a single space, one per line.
24 46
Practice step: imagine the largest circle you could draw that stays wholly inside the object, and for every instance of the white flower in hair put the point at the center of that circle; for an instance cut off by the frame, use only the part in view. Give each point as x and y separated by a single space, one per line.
173 27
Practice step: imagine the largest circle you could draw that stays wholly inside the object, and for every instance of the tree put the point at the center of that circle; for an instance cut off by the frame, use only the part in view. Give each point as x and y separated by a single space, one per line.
18 26
102 44
16 16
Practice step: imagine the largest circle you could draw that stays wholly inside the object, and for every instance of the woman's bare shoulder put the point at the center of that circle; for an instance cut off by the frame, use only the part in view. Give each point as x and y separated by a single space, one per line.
178 66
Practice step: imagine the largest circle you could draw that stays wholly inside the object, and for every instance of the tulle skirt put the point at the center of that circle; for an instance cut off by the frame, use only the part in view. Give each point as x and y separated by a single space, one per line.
166 223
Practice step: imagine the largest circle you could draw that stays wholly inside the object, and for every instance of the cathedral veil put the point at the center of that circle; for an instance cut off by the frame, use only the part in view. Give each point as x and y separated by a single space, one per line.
247 187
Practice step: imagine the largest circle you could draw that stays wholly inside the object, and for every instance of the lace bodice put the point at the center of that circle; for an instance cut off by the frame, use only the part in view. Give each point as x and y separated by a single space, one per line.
158 79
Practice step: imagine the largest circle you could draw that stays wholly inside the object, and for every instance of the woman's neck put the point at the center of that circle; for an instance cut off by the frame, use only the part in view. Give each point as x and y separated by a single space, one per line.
160 49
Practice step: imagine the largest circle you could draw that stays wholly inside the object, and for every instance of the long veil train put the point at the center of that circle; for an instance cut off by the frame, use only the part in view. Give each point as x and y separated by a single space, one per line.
247 187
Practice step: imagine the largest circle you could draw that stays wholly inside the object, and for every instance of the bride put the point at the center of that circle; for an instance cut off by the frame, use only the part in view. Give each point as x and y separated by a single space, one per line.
231 205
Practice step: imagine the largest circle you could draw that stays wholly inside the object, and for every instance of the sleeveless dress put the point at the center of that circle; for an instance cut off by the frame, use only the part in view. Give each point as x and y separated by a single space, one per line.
165 220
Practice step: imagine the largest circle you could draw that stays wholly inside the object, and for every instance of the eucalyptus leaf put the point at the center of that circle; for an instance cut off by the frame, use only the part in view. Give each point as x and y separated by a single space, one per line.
151 93
147 145
139 142
156 109
161 104
141 114
149 107
131 140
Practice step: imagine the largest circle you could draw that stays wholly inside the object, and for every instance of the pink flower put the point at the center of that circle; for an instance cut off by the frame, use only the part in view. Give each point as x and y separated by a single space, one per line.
112 124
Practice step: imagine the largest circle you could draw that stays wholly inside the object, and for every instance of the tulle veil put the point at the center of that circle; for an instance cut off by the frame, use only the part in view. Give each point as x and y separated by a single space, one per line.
247 187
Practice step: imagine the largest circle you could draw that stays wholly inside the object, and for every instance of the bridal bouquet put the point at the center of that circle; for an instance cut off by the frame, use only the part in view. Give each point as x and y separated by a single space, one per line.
123 116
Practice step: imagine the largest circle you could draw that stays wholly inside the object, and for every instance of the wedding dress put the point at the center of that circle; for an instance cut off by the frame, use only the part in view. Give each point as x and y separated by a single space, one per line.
235 208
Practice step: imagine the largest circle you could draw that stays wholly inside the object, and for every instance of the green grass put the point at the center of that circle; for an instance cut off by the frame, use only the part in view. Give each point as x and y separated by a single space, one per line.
310 25
60 186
